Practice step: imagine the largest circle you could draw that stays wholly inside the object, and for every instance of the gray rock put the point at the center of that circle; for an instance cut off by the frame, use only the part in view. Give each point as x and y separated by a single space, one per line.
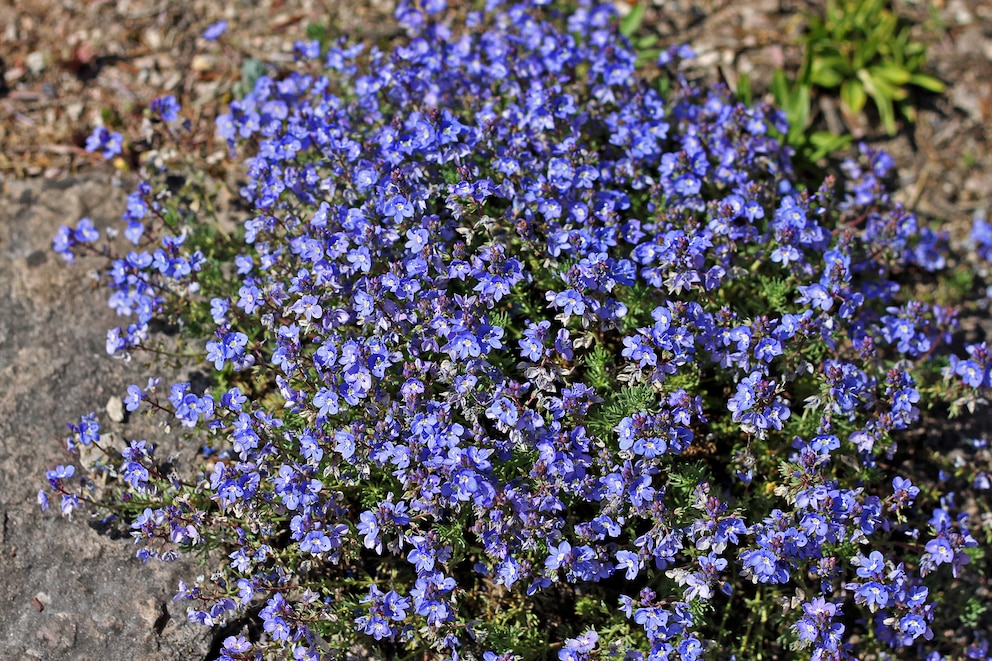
68 591
115 409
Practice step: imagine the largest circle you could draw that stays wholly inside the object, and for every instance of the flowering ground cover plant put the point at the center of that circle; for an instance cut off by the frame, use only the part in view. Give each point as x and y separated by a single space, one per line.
517 357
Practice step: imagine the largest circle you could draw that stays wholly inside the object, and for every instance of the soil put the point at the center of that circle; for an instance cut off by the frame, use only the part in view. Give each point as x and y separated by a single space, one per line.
70 592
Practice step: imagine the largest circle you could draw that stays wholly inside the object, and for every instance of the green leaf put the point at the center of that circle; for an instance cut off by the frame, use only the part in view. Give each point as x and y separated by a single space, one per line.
794 100
852 94
927 82
645 42
776 293
632 21
885 110
833 60
316 31
780 88
797 111
973 610
825 76
914 61
619 405
664 85
744 92
828 140
885 88
597 367
251 71
890 73
824 143
647 55
865 12
588 606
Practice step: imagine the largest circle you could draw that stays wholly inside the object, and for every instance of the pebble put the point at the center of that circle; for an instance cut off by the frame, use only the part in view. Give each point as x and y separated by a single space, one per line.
35 62
202 63
74 110
959 12
115 409
153 39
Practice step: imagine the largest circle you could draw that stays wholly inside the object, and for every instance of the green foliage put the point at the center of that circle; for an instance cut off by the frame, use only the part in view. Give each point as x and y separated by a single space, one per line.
641 300
621 404
500 318
632 21
795 99
598 368
957 286
318 31
681 487
682 483
861 51
688 381
251 70
775 293
972 613
643 45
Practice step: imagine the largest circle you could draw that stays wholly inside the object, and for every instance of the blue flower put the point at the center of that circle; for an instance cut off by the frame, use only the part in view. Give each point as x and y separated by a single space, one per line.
236 644
763 566
344 444
394 606
165 108
316 542
531 348
558 556
215 30
816 296
913 625
940 550
629 561
85 231
873 594
231 348
971 373
108 143
60 473
503 410
570 302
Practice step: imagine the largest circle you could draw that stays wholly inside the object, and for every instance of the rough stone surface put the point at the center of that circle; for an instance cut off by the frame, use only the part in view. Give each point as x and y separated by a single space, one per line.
67 591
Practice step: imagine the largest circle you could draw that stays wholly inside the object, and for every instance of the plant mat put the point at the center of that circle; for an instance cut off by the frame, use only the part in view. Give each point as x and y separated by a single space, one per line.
68 66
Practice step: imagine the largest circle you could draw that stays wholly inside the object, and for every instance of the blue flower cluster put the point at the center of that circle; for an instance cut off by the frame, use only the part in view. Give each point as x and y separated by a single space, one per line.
497 301
108 143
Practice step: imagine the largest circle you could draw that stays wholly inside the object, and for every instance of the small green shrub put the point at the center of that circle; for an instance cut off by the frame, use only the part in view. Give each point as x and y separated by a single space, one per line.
863 50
